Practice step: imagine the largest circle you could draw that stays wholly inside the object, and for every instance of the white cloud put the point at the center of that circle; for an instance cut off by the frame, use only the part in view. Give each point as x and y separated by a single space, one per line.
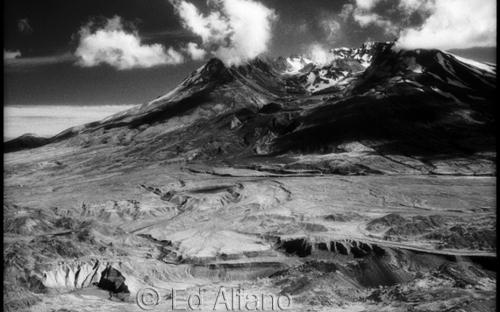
209 28
454 24
365 19
319 54
10 55
410 6
362 13
234 30
366 4
195 52
121 49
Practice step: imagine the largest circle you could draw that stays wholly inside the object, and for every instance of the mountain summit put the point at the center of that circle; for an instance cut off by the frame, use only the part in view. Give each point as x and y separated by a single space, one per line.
421 104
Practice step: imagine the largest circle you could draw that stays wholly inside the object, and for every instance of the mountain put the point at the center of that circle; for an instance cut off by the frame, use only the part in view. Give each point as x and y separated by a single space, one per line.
365 182
418 106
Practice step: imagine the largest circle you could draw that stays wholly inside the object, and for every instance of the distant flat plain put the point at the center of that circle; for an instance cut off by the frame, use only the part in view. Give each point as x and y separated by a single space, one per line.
48 120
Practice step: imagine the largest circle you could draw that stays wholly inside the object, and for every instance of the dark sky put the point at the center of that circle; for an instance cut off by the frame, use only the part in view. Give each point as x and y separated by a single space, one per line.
45 34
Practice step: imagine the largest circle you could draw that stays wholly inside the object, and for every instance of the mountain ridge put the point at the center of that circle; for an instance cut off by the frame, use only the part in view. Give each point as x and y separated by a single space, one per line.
392 100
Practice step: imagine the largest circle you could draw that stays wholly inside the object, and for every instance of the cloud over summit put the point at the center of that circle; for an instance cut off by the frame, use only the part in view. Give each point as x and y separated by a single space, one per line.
454 24
445 24
233 30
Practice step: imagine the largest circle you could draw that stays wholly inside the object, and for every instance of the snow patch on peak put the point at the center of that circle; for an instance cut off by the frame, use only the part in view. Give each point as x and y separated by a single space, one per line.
363 55
296 64
321 57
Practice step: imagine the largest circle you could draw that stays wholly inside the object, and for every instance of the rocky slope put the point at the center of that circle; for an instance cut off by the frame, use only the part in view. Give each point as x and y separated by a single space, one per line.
409 109
363 184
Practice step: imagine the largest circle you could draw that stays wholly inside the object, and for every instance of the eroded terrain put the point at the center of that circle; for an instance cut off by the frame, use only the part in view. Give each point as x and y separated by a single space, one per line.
332 242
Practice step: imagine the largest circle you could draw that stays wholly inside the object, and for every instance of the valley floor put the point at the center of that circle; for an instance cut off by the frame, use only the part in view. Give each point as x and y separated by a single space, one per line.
84 232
